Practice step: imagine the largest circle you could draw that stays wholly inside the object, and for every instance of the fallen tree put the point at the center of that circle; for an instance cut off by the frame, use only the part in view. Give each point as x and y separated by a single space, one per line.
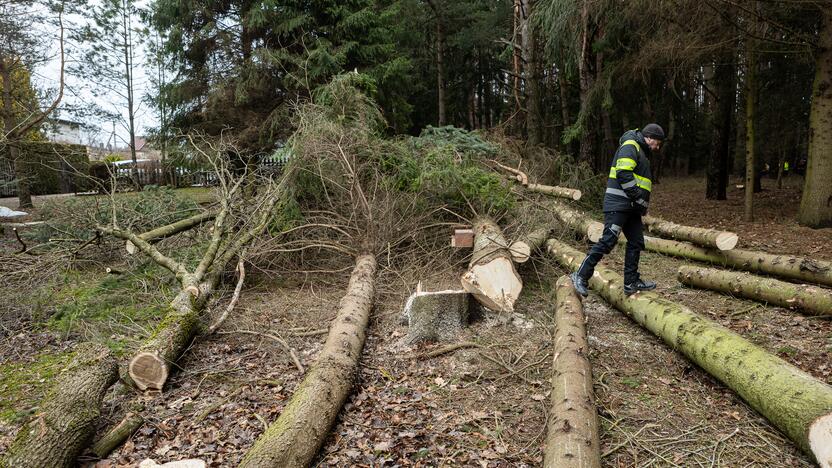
554 190
792 400
722 240
572 439
522 248
785 266
811 299
66 419
163 232
303 425
491 276
577 221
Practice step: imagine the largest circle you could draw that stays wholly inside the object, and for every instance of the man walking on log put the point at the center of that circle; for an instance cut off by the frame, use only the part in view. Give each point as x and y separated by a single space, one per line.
625 202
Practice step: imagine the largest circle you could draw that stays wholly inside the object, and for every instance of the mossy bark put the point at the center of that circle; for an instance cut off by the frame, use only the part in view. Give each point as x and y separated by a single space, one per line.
815 210
789 398
811 299
713 238
300 430
151 365
572 439
785 266
66 420
117 435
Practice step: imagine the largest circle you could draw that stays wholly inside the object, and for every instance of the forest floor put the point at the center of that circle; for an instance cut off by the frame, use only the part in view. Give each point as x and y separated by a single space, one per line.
474 407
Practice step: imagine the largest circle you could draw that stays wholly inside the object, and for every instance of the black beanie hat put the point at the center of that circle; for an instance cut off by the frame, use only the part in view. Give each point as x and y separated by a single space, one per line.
653 131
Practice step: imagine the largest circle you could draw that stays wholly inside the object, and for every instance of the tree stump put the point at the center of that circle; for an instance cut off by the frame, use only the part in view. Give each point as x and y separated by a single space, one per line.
436 315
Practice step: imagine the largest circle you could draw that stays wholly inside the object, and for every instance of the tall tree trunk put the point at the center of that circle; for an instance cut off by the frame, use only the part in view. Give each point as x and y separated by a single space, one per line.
816 202
440 72
724 104
534 113
564 107
128 75
750 104
586 79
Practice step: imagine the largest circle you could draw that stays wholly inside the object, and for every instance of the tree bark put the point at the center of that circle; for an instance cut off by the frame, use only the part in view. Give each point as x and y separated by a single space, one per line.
491 276
522 248
750 104
792 400
572 439
563 192
534 115
440 64
578 222
723 110
117 435
151 366
795 268
436 315
816 201
817 301
722 240
294 439
66 419
162 232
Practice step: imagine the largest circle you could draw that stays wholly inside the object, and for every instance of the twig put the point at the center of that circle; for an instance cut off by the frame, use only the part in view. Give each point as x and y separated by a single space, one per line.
322 331
447 349
241 268
275 338
213 406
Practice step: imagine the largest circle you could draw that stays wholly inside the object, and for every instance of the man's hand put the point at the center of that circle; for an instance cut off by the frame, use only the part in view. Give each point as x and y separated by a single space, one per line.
642 206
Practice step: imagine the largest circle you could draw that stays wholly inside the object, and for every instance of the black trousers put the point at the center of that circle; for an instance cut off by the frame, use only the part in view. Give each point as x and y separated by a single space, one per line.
616 222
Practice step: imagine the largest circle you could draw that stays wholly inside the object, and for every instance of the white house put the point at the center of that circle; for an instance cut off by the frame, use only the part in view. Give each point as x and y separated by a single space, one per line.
63 131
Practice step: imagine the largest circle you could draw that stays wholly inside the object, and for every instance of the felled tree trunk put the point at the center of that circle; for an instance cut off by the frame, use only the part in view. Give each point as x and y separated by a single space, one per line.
151 366
572 440
722 240
155 235
554 190
797 268
491 276
577 221
792 400
294 439
436 315
66 419
807 298
522 248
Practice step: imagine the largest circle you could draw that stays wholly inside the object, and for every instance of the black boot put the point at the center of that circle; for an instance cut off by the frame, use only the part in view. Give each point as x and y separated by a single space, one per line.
580 284
640 285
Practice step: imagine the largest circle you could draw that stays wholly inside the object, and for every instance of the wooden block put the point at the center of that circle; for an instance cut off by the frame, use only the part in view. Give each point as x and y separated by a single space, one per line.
462 238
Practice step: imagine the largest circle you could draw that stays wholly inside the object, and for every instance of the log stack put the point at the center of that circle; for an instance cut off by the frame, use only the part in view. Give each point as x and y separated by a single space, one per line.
491 276
792 400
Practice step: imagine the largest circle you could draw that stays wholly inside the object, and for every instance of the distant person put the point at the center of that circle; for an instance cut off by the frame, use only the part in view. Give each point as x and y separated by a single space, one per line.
625 202
785 168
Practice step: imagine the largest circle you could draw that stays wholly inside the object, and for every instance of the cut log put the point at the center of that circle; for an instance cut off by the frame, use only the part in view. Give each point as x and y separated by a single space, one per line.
151 365
572 439
117 435
810 299
722 240
554 190
577 221
294 439
66 419
792 400
784 266
491 276
519 175
522 248
436 315
155 235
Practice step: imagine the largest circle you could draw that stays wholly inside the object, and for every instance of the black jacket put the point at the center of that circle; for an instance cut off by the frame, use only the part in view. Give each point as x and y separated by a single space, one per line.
629 184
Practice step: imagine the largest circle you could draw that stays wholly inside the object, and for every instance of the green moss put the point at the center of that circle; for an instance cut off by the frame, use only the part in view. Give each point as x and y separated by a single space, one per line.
22 384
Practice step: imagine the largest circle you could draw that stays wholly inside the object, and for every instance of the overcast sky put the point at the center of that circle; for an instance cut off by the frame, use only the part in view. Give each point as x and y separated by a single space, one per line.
76 94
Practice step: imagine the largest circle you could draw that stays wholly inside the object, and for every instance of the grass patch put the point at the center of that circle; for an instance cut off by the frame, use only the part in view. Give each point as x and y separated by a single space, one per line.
22 384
